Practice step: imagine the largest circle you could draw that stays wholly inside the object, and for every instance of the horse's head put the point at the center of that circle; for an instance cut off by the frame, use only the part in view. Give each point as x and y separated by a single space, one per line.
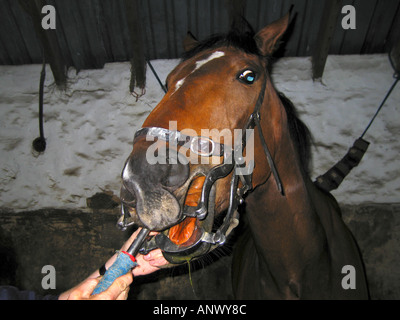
193 151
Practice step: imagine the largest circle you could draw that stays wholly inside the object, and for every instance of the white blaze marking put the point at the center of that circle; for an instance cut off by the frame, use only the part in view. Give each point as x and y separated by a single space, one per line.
215 55
199 64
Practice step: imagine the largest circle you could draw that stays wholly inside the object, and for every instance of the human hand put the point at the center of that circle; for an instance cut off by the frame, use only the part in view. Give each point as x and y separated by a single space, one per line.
120 287
117 291
149 263
146 263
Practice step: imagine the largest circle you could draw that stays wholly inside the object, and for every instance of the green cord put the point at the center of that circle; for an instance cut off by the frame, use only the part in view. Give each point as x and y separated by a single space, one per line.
190 278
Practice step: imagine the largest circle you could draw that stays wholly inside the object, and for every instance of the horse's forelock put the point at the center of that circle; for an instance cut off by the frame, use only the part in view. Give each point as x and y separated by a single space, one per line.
240 40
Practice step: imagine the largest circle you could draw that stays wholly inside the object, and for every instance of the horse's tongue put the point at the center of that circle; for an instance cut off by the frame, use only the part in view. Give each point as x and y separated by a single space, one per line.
181 233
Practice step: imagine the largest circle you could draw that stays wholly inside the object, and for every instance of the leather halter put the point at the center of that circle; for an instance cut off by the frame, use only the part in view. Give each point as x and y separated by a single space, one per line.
207 240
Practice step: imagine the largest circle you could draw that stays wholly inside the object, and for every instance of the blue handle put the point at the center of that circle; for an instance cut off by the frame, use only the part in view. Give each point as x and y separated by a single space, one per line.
121 266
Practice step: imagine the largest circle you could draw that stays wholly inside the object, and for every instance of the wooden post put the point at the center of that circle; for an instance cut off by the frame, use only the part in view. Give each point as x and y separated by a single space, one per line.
49 41
236 9
325 35
395 58
138 61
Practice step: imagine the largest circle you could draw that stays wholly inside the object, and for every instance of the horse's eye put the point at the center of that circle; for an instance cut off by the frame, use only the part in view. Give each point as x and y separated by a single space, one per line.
247 77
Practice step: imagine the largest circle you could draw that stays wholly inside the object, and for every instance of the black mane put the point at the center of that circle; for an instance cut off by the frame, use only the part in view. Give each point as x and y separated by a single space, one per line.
299 133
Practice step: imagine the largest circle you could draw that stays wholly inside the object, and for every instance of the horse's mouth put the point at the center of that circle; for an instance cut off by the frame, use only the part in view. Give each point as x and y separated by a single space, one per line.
185 235
185 232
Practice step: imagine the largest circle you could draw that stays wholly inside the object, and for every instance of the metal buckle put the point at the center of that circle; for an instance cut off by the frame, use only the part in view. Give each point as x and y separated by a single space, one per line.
198 143
177 138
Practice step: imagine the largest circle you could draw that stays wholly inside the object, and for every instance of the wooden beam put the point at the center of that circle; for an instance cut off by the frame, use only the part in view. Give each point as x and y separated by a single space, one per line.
236 10
325 35
138 61
48 38
395 58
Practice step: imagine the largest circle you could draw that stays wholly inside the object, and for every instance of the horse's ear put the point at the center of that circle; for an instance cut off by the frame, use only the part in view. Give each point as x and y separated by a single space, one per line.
267 39
189 42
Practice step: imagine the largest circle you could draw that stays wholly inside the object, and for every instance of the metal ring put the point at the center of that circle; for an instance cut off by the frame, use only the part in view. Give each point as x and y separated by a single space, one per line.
195 140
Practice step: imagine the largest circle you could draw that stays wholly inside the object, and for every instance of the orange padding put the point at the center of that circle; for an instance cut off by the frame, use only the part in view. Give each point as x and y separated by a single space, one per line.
182 232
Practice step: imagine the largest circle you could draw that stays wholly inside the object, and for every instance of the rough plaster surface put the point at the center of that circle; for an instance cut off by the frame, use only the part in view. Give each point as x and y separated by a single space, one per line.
90 125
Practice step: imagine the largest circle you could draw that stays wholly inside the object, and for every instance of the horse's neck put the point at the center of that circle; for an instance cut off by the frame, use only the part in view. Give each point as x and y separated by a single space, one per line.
289 222
292 210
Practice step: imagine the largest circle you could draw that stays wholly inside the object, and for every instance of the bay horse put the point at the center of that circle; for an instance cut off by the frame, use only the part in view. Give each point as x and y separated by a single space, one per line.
183 172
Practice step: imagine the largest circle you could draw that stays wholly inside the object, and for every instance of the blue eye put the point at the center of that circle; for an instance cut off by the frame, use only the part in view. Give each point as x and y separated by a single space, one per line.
247 77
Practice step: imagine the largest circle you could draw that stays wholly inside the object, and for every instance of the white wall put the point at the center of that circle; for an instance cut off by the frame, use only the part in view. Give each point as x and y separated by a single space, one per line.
89 128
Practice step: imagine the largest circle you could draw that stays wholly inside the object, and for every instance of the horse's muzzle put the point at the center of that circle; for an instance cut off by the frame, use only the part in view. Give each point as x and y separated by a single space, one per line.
147 192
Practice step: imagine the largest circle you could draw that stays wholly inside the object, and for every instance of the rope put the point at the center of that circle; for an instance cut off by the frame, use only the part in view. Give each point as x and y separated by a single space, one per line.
156 75
396 75
41 89
39 144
